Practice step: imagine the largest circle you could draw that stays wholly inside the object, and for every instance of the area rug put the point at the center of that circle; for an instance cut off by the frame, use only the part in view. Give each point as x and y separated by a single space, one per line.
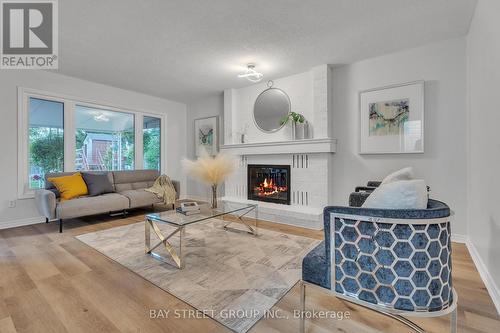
232 277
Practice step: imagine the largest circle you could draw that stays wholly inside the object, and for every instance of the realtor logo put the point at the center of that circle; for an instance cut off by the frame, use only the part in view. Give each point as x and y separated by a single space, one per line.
29 37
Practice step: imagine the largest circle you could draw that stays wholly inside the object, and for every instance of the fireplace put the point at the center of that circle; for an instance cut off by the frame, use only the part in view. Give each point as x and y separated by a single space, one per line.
269 183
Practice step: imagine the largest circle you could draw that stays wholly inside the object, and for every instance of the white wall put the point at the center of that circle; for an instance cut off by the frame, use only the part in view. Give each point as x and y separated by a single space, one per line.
443 165
208 107
483 55
9 81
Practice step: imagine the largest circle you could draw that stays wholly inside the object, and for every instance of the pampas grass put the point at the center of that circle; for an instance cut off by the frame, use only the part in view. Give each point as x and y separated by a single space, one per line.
210 170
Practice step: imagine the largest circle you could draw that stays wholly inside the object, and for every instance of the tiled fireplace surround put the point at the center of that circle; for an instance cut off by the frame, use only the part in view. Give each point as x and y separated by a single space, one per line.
308 186
310 160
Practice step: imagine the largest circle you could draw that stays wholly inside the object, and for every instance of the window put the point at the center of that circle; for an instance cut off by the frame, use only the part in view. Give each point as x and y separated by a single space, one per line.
46 140
151 138
59 133
104 139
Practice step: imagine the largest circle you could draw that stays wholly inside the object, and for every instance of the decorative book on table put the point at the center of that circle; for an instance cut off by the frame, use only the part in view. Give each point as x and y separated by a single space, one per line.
189 212
189 206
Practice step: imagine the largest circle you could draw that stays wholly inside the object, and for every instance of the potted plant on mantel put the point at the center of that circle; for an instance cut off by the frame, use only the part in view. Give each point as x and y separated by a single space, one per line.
300 126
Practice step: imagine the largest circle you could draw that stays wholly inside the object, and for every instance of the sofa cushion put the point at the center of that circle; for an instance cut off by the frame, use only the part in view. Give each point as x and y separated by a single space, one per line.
134 179
70 187
97 183
91 205
55 191
50 186
140 198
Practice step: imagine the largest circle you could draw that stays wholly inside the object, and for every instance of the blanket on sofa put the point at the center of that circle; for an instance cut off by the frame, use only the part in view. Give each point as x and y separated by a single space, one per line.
164 189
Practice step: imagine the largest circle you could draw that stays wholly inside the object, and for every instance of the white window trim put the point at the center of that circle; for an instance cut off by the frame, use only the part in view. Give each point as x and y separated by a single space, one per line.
23 95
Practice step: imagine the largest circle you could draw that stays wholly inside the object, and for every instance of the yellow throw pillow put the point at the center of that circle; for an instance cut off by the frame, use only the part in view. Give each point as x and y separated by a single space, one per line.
70 187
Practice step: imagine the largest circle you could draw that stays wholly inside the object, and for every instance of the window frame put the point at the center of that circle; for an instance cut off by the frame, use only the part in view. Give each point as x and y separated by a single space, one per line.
69 104
162 161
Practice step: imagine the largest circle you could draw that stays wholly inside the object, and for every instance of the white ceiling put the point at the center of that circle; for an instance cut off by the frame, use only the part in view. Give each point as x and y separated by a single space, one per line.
185 50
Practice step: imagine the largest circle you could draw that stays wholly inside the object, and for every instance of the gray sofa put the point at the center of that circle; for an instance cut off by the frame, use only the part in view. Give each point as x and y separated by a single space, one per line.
129 187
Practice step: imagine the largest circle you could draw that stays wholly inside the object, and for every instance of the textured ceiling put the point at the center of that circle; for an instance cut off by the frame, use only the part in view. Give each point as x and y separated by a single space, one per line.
185 50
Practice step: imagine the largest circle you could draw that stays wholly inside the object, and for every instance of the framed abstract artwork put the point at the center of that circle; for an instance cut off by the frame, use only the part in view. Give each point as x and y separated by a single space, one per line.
392 119
206 135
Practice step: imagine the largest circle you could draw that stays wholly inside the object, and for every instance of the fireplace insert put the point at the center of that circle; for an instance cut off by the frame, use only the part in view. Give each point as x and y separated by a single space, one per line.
269 183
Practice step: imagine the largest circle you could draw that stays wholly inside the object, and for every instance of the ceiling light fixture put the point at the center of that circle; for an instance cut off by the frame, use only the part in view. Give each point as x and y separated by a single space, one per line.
101 117
251 74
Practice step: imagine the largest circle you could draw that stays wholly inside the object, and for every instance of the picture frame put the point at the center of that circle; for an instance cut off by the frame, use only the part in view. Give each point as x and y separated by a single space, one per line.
206 135
392 119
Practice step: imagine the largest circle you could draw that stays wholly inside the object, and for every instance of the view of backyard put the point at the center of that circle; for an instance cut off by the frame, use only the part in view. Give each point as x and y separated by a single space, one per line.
104 140
46 153
152 142
46 139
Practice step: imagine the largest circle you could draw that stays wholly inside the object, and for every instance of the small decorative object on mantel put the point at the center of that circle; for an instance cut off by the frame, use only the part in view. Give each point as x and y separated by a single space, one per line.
212 170
392 119
300 126
206 135
301 130
243 132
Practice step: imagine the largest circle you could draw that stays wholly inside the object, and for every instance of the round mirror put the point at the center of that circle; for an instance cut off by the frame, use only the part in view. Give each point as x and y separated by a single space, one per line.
270 107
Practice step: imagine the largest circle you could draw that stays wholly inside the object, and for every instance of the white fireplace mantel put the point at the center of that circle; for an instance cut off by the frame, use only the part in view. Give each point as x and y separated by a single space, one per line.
307 146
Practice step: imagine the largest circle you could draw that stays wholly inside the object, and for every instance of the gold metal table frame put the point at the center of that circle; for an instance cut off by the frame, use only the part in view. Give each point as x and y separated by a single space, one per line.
176 257
151 224
252 231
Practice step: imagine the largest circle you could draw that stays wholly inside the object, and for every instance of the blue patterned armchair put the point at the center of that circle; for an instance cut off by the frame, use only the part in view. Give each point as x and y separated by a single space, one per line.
392 261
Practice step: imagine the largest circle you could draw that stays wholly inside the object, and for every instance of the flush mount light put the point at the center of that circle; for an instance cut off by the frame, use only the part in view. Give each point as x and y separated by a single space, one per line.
100 117
251 74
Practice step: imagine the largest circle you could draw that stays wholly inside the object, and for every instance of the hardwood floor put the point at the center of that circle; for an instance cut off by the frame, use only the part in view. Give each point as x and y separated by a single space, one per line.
51 282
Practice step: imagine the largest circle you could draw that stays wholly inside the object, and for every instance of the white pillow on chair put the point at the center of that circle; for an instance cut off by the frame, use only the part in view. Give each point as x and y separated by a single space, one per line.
403 174
402 194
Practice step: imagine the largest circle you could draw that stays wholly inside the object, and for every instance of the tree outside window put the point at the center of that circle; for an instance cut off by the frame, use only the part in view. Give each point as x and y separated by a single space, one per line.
46 140
152 143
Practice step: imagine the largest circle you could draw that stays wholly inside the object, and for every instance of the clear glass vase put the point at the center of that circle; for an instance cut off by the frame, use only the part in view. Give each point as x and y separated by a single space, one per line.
214 196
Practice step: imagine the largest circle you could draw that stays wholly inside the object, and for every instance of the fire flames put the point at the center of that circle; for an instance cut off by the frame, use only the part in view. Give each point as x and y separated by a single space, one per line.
268 188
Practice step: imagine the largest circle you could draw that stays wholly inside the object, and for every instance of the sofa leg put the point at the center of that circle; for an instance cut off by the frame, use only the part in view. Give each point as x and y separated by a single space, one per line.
302 306
60 225
46 220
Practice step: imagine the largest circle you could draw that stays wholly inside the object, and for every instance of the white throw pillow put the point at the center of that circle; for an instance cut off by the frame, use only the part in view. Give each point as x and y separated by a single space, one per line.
403 194
403 174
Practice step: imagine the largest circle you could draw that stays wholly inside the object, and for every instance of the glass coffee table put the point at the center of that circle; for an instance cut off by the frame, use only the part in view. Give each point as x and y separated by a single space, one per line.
180 221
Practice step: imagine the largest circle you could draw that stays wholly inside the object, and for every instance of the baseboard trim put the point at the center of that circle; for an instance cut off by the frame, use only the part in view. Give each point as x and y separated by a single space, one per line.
490 284
458 238
294 225
21 222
